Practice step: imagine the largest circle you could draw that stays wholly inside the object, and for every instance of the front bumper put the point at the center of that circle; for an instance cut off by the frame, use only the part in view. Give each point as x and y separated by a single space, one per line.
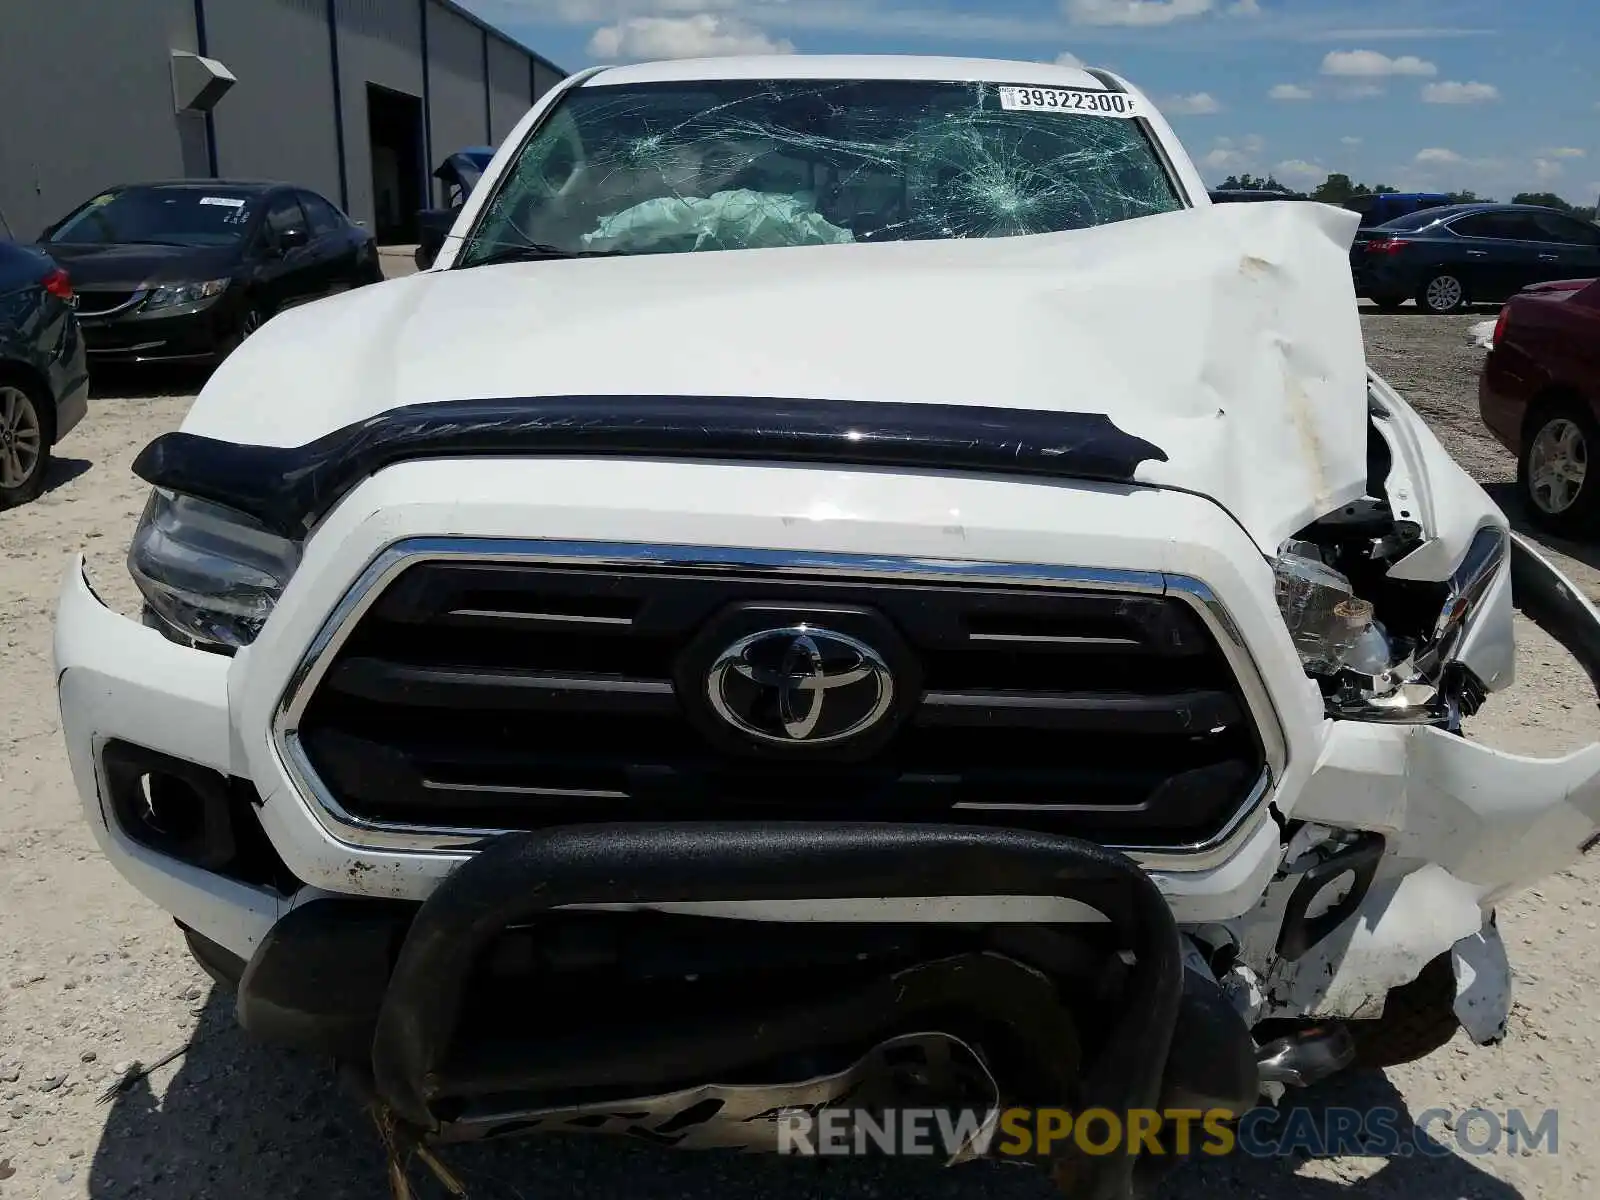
1488 822
193 336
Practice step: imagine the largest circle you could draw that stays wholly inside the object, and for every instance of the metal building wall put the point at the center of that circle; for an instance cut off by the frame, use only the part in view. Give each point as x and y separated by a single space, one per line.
380 42
88 89
277 121
509 98
458 100
117 124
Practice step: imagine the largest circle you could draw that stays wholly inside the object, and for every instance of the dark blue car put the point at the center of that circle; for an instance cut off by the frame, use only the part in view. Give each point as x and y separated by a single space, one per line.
460 174
44 380
1447 258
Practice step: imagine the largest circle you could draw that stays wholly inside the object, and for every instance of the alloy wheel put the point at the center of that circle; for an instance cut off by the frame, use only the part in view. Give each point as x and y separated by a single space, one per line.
21 437
1557 464
1445 293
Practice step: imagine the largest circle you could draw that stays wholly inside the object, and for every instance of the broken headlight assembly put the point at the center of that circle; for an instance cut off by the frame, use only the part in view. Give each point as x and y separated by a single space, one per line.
209 575
1386 651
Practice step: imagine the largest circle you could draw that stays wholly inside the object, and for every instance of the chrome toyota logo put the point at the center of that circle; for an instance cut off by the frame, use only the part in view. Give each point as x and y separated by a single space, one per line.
800 684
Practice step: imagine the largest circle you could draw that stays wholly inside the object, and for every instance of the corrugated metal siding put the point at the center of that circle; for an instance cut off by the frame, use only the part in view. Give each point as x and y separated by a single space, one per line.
508 88
455 57
88 88
277 121
113 122
380 41
544 79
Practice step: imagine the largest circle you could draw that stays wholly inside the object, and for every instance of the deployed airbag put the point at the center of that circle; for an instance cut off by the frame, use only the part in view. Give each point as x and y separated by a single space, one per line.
735 220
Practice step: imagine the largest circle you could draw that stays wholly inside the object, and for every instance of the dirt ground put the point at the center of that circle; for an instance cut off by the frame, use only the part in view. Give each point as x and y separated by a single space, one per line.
93 978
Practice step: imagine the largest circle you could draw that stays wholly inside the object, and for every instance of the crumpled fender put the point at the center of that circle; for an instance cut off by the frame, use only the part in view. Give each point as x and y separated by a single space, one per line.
1465 825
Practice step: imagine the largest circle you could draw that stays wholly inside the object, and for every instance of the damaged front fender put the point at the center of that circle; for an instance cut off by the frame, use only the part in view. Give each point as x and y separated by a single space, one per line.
1465 826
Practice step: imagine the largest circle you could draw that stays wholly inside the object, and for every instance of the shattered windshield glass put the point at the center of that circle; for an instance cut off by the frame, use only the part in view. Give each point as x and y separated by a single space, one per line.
741 164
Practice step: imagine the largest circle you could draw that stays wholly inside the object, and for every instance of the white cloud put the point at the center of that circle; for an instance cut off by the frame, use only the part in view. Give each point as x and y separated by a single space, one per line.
1068 59
1546 169
1199 104
1290 91
1566 152
1297 170
1459 93
1368 64
1438 155
1134 12
1245 8
1351 141
1234 154
703 35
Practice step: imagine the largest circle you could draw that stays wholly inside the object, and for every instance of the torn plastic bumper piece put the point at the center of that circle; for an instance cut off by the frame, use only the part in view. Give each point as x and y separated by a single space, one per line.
518 877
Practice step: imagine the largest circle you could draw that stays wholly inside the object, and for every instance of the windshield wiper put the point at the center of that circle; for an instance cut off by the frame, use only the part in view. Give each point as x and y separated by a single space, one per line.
535 252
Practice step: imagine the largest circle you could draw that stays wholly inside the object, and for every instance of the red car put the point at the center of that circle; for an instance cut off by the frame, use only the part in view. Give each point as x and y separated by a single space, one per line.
1540 395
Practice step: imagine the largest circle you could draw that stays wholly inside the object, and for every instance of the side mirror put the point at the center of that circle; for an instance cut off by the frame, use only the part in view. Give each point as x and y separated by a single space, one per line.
293 239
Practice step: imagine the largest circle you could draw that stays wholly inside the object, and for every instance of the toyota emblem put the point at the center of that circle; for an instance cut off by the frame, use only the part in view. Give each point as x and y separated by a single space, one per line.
800 684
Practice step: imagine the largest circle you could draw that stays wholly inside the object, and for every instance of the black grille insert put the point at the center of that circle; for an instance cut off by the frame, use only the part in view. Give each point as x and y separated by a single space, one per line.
508 696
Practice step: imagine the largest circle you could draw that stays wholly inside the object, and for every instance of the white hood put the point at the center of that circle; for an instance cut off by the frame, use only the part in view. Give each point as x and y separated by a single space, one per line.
1228 336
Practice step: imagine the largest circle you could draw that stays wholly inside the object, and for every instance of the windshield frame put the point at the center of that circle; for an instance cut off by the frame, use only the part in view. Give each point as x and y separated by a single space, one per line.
254 199
483 200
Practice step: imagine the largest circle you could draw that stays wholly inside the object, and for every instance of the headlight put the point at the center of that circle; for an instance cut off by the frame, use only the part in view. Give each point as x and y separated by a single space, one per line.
1326 619
210 573
170 295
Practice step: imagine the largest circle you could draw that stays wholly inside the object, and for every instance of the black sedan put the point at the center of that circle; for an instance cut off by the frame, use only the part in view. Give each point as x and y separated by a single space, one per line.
44 384
1447 258
185 271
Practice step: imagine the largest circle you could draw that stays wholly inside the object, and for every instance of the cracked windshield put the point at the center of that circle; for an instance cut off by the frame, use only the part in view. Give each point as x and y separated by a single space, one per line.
746 165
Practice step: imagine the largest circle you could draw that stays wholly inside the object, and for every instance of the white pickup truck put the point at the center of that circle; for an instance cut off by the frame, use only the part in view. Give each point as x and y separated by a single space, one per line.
848 578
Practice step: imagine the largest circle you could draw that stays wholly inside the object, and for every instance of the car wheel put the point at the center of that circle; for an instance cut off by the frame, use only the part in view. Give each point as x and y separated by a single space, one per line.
1389 303
26 431
1553 469
1443 293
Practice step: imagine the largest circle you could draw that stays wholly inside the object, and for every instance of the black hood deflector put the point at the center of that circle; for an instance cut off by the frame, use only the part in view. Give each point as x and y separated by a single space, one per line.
290 488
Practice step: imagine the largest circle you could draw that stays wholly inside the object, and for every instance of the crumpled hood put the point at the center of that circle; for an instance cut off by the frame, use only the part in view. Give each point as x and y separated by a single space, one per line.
1227 336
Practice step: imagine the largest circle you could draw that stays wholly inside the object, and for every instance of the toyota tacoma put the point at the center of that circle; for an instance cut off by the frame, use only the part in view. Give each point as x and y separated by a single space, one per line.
849 583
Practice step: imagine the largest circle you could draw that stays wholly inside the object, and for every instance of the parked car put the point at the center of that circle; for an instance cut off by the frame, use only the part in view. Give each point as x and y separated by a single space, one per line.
1384 207
460 174
1447 258
750 628
1539 393
185 271
44 382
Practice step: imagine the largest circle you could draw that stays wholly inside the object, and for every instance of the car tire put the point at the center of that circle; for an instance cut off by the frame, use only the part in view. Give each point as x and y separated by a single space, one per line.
1443 293
27 432
1418 1018
1552 470
1389 304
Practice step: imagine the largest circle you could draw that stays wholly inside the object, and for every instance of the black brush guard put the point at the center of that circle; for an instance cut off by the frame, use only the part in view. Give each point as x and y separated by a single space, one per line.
417 1071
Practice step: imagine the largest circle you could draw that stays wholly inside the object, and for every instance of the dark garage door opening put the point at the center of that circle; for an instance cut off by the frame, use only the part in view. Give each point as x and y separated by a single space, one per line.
394 127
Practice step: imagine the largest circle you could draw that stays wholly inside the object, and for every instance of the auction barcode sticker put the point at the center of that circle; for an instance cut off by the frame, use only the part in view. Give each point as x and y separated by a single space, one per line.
1074 101
223 201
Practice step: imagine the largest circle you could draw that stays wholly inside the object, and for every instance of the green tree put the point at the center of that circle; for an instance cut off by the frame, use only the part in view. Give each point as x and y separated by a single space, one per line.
1544 199
1251 183
1468 198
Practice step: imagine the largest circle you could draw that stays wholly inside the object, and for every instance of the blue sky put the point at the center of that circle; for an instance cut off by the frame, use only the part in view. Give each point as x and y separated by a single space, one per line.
1484 94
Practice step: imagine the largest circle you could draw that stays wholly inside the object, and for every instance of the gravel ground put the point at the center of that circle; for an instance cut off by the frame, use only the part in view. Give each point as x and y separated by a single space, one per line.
93 978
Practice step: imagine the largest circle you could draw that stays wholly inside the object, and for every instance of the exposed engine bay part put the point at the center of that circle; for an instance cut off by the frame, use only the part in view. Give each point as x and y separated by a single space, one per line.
1382 641
1306 1057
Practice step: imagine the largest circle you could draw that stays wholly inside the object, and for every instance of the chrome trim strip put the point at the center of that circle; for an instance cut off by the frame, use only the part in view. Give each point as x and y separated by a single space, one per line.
358 834
136 298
